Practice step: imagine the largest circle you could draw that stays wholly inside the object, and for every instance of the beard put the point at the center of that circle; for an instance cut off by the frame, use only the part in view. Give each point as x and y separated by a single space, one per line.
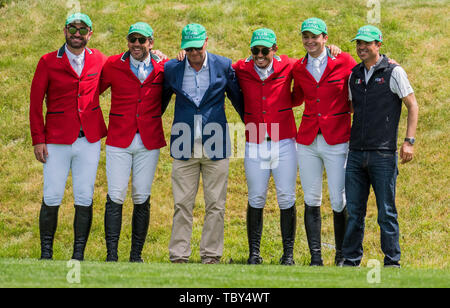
70 40
143 56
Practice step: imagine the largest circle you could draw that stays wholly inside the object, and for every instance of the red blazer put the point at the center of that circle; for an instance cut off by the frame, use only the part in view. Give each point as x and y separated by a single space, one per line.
326 102
267 102
72 101
133 105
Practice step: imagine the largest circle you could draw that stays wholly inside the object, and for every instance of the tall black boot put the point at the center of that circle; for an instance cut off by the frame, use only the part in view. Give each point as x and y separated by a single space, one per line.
48 221
81 226
254 233
140 222
340 223
288 223
113 225
313 225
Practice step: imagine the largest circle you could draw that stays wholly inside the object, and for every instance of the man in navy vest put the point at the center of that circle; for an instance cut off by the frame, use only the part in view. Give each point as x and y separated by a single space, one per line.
200 141
377 89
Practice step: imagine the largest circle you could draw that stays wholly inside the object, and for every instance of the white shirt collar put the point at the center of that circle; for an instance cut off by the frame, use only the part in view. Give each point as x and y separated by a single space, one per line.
322 56
72 56
205 62
264 72
136 63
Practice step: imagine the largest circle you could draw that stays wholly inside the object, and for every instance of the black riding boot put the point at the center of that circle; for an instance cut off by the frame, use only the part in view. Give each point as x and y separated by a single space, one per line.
254 232
113 225
340 223
140 222
81 226
313 225
48 220
288 223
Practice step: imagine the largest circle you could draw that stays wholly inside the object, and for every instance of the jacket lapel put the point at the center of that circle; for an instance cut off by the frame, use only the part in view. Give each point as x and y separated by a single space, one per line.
304 69
87 62
331 63
62 56
125 66
250 67
212 77
179 75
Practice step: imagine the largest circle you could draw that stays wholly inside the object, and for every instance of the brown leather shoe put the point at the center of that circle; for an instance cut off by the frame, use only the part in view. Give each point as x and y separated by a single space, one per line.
179 261
210 260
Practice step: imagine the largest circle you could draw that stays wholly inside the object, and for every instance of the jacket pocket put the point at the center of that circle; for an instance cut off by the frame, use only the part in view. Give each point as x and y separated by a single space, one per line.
116 114
281 110
336 114
55 112
337 80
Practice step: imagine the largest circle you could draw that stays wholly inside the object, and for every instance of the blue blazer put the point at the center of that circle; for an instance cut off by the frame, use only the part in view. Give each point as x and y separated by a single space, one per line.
215 135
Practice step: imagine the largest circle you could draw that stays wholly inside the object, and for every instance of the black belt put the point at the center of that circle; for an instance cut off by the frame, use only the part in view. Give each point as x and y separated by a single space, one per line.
81 134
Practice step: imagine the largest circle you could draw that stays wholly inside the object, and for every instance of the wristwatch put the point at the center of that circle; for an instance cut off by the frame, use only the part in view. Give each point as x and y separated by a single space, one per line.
410 140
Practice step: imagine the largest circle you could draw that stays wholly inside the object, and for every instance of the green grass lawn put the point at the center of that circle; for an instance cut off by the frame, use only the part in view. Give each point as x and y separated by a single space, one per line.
416 34
35 273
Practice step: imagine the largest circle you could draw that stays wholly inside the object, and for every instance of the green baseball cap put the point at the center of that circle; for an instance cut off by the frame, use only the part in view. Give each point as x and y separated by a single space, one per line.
141 28
263 37
193 35
314 25
77 17
369 33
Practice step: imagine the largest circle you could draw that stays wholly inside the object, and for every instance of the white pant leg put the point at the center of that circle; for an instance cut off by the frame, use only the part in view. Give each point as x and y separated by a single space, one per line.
143 171
311 167
257 175
84 170
334 158
285 173
56 171
118 169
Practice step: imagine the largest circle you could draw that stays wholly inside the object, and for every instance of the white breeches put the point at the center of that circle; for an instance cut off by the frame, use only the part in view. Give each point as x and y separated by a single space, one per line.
311 161
121 162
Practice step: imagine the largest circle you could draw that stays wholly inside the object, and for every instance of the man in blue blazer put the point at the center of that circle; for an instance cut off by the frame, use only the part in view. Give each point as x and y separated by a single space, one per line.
200 141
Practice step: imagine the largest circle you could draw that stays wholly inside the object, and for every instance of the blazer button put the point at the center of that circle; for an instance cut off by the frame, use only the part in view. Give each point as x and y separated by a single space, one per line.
139 100
319 115
264 112
264 98
318 100
137 116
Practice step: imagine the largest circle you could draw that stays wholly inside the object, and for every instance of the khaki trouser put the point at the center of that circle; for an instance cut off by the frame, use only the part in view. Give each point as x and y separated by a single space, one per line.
185 181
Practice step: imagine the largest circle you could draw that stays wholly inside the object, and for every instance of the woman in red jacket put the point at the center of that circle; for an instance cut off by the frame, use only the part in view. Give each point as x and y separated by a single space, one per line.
320 80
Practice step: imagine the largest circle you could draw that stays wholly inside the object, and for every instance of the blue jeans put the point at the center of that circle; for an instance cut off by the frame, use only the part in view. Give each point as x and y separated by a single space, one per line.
379 169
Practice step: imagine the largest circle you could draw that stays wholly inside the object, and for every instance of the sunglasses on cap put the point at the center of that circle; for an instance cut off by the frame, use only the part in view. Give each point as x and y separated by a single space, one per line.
73 30
265 51
193 48
141 39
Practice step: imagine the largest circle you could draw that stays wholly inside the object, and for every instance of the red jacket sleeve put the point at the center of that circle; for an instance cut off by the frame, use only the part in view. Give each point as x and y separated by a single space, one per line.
297 91
39 87
105 78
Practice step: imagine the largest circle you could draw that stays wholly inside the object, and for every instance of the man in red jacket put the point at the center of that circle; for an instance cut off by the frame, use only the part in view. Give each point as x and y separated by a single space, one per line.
135 135
320 80
265 80
69 139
